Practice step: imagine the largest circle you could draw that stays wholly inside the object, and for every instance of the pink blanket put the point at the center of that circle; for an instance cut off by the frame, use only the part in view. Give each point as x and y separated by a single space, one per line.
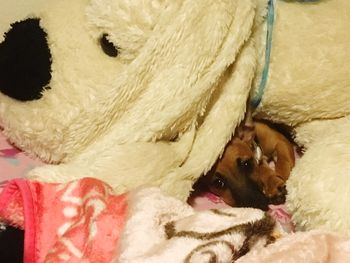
84 221
65 221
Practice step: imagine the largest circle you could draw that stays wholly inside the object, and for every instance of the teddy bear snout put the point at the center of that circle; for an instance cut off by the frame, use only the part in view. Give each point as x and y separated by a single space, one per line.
25 61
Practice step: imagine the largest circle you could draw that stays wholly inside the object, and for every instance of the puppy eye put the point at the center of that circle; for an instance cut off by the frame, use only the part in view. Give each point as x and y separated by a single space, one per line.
245 166
108 47
219 182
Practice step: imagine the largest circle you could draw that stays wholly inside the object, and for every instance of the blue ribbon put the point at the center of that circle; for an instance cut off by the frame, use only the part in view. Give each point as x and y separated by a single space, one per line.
270 21
255 101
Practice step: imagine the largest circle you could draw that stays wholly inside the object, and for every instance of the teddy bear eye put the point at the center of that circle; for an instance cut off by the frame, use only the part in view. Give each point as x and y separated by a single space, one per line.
108 47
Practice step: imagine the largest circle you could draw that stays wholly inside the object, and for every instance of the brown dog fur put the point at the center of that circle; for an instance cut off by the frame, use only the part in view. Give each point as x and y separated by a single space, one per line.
240 180
231 177
278 149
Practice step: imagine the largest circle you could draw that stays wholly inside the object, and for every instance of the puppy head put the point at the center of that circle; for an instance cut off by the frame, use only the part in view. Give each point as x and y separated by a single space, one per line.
231 179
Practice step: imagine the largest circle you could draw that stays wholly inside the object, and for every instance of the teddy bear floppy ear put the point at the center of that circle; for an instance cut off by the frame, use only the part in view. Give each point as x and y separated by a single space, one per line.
25 61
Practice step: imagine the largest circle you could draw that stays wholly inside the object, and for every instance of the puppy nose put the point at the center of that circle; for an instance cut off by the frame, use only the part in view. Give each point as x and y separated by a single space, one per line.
280 198
25 61
282 190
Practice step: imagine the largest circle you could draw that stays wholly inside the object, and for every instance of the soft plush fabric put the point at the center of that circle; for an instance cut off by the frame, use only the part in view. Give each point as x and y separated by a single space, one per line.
85 221
309 72
207 200
311 247
160 113
162 110
319 185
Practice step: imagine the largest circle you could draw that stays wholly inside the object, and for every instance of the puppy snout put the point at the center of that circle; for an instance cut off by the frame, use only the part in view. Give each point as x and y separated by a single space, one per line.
25 61
280 197
282 190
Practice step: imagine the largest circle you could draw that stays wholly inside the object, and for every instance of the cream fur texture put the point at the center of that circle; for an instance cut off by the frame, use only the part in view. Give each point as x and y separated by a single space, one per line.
162 111
319 184
309 73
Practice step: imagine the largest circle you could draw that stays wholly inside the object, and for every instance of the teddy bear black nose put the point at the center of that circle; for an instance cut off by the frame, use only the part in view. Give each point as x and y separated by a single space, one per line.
25 61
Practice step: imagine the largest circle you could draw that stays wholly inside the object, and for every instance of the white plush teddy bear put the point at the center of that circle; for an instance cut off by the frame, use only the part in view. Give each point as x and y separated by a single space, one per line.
131 93
150 92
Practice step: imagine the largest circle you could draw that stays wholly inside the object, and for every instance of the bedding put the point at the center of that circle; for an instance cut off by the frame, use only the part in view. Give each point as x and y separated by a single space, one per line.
85 221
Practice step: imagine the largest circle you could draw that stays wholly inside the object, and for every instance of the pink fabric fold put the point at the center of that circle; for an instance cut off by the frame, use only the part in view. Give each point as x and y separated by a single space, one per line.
16 203
69 222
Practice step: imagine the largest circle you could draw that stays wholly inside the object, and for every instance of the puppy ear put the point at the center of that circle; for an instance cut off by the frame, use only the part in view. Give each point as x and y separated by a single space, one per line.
246 133
246 130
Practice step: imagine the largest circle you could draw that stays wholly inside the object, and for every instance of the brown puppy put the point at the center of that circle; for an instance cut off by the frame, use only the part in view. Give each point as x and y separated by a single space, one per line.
243 180
277 149
240 178
231 177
